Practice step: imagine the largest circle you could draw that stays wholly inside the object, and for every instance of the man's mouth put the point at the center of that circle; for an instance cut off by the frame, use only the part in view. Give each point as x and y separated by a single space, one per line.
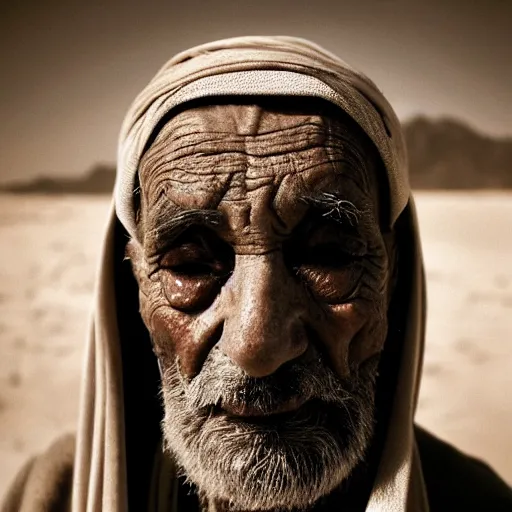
250 411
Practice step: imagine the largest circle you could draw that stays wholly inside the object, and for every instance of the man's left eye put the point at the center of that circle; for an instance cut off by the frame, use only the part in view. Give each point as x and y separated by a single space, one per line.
330 270
328 256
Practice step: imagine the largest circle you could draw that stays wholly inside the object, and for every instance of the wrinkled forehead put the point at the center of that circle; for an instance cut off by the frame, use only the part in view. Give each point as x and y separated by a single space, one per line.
259 115
200 148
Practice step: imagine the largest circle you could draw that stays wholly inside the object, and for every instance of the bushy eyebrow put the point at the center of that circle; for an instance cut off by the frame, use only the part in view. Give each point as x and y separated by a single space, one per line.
167 225
336 209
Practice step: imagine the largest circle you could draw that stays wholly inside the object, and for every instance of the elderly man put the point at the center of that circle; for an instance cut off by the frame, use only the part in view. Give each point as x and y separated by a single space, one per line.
266 357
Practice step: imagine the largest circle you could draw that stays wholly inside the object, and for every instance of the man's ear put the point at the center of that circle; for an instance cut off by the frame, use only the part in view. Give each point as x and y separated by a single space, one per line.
135 253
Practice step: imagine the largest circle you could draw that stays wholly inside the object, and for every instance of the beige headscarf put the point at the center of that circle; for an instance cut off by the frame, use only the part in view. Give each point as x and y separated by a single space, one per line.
240 66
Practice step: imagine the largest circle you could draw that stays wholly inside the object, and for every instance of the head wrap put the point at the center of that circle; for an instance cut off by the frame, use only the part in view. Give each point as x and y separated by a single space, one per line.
113 383
267 66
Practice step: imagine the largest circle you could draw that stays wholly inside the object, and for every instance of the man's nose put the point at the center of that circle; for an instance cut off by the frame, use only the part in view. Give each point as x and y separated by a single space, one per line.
263 327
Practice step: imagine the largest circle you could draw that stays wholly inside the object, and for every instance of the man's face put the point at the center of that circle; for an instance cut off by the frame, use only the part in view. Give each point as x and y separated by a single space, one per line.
263 281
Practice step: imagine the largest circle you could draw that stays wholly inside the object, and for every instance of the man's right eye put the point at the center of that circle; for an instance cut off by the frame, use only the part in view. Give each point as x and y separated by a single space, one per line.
191 269
193 273
194 260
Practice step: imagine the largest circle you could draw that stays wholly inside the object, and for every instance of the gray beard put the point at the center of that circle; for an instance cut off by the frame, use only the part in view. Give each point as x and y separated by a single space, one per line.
283 462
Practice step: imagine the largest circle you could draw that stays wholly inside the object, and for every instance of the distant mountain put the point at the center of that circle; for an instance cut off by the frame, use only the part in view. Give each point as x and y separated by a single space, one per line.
447 154
99 180
443 154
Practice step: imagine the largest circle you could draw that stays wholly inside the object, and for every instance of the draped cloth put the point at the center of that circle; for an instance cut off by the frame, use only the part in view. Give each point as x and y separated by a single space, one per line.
254 66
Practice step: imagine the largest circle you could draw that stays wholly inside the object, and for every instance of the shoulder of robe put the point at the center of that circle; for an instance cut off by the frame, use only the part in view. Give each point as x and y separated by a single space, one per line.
44 483
456 481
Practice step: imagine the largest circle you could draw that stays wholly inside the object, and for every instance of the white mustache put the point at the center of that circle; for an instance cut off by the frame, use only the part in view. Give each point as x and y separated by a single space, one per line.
222 382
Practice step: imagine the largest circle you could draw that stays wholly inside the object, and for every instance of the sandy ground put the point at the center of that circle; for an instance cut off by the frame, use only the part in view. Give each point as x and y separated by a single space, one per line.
47 265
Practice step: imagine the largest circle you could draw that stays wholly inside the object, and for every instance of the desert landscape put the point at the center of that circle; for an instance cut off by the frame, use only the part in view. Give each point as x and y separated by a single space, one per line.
47 266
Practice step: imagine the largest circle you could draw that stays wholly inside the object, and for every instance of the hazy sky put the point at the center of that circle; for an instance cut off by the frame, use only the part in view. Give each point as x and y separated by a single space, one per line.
69 70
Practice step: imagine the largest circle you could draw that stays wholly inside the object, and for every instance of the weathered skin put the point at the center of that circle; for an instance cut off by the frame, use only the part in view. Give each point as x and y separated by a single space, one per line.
293 262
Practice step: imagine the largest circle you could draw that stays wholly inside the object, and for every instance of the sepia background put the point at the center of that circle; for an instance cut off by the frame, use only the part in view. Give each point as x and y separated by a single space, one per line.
69 72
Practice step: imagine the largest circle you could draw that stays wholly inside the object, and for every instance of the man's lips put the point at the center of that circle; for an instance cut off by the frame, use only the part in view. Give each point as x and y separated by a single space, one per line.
246 410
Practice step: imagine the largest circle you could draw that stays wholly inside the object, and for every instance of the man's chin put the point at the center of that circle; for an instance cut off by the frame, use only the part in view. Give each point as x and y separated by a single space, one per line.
286 460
